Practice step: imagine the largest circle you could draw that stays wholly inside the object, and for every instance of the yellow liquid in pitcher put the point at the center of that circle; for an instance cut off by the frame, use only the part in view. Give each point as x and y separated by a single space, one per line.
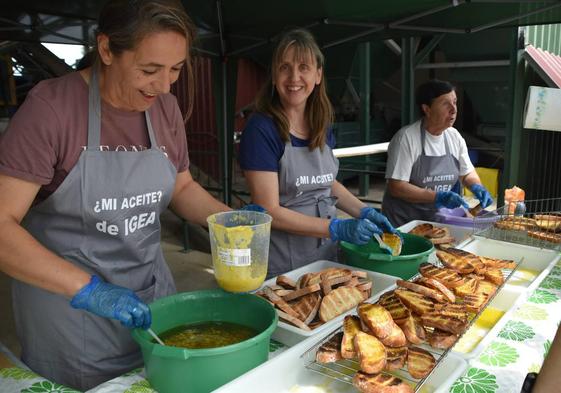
237 278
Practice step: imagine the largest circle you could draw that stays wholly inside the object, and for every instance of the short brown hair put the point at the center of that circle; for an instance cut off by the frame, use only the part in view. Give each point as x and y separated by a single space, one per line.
127 22
319 112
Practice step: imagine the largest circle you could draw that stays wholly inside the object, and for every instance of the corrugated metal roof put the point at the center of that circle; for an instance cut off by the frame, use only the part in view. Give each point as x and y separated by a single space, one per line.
546 64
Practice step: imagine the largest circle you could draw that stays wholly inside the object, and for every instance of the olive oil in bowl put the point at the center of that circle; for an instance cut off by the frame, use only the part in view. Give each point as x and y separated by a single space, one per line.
206 335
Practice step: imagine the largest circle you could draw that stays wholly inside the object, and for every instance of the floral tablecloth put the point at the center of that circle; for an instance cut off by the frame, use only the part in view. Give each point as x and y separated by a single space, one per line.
520 347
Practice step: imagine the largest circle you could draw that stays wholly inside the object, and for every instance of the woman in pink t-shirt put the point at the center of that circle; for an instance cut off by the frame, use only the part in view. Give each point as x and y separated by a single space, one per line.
87 165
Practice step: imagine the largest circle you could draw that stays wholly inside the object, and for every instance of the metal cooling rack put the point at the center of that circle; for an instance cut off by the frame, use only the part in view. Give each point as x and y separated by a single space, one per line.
344 370
522 220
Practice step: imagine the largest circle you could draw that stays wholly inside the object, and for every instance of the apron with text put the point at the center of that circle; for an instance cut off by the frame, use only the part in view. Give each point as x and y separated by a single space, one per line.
103 218
305 180
439 173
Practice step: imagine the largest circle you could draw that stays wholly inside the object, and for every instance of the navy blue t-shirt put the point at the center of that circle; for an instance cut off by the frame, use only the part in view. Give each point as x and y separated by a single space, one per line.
261 146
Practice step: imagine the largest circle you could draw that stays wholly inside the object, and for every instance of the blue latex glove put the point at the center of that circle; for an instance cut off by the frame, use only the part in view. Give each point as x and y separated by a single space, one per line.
449 199
377 218
353 230
253 207
482 194
112 301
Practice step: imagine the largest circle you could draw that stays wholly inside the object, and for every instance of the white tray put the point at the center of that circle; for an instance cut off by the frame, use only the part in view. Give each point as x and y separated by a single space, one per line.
287 373
290 335
459 233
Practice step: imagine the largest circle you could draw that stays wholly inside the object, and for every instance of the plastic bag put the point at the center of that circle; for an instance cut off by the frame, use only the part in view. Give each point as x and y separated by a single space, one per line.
514 201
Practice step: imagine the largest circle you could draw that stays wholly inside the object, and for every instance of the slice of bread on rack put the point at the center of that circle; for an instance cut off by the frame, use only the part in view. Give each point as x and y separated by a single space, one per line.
380 383
371 353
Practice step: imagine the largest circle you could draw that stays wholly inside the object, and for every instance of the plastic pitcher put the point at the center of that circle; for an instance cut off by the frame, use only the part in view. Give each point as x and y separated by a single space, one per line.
239 242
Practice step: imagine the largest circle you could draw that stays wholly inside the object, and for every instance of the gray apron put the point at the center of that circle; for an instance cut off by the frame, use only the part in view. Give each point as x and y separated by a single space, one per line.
103 218
305 180
439 173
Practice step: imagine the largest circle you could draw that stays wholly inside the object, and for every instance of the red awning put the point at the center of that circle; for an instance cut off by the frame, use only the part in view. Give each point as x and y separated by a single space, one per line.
546 64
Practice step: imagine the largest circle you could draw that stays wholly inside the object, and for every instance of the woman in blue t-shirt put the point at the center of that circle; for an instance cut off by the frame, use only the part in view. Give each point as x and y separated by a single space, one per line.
287 158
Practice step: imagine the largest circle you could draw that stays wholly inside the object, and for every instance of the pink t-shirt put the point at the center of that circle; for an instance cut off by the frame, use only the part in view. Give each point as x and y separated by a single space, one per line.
45 137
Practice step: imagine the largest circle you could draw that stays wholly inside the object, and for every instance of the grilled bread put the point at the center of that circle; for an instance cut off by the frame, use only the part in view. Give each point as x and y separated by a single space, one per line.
396 338
474 302
437 285
495 276
338 301
549 225
486 287
452 310
378 320
351 326
466 256
444 322
416 302
307 306
548 237
419 362
413 330
441 339
395 306
371 353
423 290
395 358
286 282
380 383
498 263
437 233
329 351
422 229
443 240
468 287
459 264
448 277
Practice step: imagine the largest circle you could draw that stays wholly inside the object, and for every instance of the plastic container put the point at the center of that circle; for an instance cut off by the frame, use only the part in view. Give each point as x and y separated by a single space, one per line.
239 243
172 370
458 217
291 335
415 250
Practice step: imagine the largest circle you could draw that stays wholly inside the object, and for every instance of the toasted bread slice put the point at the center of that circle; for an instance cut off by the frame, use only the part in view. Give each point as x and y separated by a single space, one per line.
495 276
380 383
378 320
338 301
474 302
473 259
419 362
486 287
416 302
422 229
469 287
452 310
395 306
448 277
423 290
371 353
444 322
461 265
441 339
548 237
396 338
414 331
395 358
437 285
498 263
443 240
286 282
330 351
437 233
307 306
351 326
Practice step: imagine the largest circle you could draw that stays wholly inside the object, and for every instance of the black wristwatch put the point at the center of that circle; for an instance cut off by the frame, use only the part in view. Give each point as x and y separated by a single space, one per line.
529 382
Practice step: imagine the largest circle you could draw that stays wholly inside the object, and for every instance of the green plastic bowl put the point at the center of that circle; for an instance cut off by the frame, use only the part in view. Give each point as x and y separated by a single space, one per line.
173 370
415 250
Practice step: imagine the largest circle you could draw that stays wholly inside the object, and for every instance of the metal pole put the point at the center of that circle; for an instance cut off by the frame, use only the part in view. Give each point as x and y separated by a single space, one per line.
364 114
465 64
407 81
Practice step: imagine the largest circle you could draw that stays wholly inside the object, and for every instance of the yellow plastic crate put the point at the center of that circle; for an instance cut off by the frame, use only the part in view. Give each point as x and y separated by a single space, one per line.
490 180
